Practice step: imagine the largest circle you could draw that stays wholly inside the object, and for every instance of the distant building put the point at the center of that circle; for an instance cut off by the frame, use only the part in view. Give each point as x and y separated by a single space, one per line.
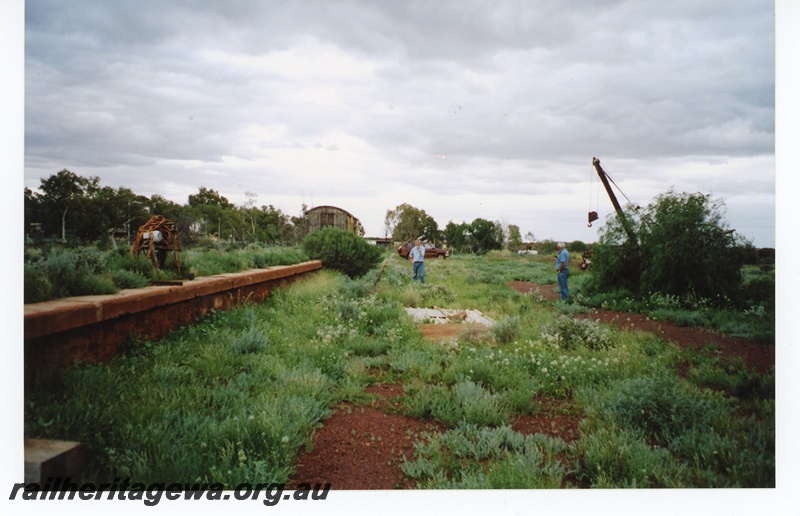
381 241
333 217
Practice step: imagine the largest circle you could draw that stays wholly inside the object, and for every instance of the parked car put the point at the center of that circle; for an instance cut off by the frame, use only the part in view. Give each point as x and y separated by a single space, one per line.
431 251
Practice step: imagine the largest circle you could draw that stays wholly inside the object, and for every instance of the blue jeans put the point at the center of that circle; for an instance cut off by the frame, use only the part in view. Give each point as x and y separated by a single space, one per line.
419 271
562 283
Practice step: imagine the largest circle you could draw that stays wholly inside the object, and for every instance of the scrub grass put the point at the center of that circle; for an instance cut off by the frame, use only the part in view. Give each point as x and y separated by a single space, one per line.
474 457
238 396
59 272
231 399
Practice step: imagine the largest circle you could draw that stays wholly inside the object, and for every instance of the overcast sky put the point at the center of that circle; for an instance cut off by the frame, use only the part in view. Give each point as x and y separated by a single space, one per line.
489 110
464 109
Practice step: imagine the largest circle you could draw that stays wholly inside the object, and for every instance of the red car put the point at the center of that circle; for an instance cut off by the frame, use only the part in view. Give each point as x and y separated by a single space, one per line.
430 250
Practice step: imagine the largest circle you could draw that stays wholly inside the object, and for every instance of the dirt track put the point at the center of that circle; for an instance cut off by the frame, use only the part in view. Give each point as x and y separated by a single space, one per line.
760 357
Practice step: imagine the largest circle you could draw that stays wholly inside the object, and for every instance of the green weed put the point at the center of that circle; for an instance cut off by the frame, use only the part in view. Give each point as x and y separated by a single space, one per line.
570 333
473 457
238 395
507 330
676 434
464 401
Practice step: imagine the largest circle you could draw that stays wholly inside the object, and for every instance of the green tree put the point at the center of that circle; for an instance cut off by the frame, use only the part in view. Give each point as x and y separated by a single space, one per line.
249 213
64 193
480 236
273 225
100 213
514 238
458 236
131 208
409 223
214 212
683 248
209 197
577 246
33 213
159 205
104 210
486 235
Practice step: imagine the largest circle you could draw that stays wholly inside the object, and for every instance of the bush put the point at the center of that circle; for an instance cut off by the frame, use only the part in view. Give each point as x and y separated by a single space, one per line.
123 261
659 431
436 293
342 251
477 457
611 457
760 291
507 330
64 273
128 279
570 333
681 248
94 285
466 401
577 247
90 260
60 269
77 274
661 406
252 340
37 286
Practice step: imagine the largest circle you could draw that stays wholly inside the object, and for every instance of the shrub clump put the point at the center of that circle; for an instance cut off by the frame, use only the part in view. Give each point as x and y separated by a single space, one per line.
78 273
252 340
437 292
466 401
507 330
342 251
37 285
129 279
569 333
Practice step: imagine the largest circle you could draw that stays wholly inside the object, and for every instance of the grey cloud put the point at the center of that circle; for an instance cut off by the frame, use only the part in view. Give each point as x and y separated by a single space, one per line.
511 93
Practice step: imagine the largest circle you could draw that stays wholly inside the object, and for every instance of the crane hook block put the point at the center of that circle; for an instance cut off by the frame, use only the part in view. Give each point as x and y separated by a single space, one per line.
592 217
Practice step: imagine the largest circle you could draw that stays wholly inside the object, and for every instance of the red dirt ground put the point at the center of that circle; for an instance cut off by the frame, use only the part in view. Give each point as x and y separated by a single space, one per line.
757 356
362 446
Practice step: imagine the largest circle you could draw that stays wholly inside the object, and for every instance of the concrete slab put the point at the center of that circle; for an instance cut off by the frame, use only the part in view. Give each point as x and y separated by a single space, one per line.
446 316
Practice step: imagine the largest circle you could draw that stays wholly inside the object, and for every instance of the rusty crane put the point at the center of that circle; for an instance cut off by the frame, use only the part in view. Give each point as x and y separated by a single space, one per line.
604 178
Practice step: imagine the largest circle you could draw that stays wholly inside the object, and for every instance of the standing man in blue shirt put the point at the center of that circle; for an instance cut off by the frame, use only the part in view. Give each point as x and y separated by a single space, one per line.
417 256
562 269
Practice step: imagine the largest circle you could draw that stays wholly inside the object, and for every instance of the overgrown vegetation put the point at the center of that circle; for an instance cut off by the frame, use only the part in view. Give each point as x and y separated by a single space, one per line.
455 458
684 266
682 248
59 272
231 399
342 251
238 396
754 319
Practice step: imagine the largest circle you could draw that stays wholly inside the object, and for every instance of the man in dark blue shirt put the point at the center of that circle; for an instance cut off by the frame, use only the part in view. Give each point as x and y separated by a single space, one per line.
562 269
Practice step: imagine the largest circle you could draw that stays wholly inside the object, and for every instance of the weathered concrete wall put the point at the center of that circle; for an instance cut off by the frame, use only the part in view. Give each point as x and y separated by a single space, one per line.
91 328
